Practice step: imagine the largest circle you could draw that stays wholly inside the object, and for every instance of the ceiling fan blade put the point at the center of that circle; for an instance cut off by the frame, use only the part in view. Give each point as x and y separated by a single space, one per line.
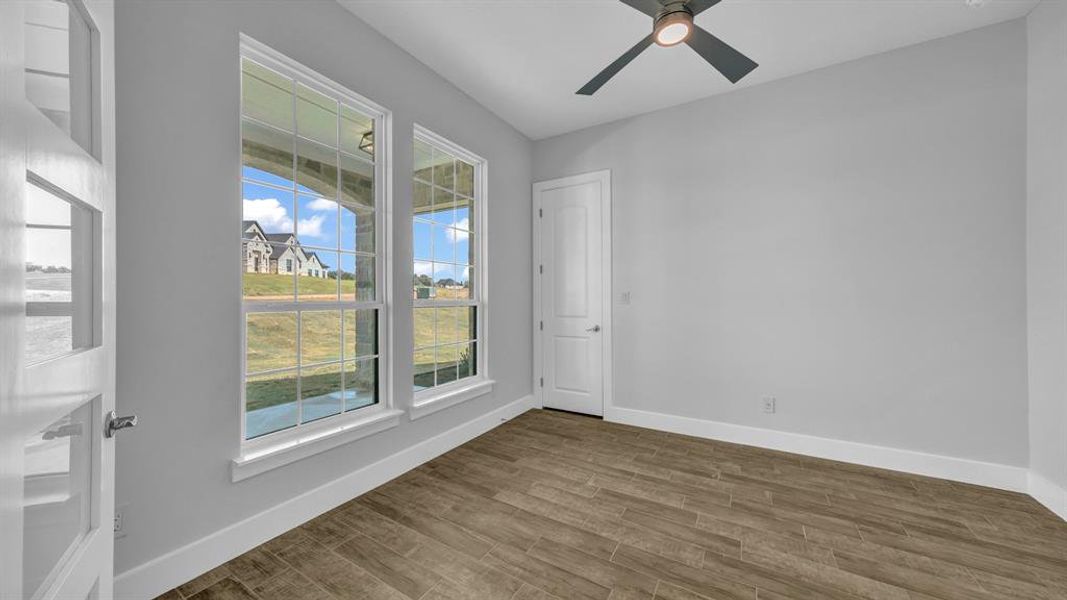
698 6
649 7
595 83
720 55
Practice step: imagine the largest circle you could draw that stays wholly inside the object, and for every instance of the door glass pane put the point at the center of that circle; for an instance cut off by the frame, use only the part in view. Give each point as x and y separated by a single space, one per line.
59 253
56 494
59 67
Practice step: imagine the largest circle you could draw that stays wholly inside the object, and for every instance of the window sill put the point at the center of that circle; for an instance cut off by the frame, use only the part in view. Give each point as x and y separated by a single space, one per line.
259 456
442 399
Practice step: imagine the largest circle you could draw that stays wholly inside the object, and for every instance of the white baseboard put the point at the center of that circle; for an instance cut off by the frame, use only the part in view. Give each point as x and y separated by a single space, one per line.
158 575
1048 493
993 475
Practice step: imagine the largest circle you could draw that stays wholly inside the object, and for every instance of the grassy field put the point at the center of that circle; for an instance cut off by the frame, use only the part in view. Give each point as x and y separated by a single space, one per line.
270 286
272 342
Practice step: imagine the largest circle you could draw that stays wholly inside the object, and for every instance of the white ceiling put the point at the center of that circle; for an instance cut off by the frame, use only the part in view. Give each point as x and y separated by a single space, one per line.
524 59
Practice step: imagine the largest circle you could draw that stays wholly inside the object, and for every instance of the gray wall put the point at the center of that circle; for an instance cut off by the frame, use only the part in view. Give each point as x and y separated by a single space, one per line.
178 299
1047 241
850 241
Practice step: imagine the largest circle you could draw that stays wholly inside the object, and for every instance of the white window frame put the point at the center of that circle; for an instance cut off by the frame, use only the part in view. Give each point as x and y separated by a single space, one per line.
429 401
282 447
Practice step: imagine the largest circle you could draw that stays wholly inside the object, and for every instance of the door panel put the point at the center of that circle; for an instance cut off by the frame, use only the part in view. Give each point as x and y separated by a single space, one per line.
56 298
572 293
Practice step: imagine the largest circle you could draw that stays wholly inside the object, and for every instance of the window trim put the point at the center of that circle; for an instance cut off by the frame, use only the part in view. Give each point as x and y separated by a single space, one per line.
425 402
282 447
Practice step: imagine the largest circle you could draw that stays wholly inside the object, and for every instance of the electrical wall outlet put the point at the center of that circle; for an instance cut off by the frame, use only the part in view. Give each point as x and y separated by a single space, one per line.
120 522
770 405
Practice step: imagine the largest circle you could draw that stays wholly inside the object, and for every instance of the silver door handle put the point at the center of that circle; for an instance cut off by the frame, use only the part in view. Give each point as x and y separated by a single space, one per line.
594 328
114 423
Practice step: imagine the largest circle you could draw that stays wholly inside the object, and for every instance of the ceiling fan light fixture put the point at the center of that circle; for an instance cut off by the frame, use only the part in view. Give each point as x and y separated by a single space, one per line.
673 28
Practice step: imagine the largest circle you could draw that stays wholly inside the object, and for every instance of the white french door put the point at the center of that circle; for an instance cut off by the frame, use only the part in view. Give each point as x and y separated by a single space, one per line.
573 289
57 289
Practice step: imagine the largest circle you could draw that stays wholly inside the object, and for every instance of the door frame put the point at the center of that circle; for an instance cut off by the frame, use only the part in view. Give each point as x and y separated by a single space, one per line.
603 177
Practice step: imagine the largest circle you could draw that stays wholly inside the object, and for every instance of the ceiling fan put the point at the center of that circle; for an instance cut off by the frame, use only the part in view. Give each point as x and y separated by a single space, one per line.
672 24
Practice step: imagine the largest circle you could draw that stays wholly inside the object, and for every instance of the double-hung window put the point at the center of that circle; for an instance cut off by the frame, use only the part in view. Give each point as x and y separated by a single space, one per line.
449 283
312 250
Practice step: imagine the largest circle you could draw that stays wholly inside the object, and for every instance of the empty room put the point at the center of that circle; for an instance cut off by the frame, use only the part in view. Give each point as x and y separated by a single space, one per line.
533 299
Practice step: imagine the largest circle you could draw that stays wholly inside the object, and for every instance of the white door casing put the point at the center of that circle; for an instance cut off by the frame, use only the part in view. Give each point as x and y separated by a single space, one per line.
572 292
57 469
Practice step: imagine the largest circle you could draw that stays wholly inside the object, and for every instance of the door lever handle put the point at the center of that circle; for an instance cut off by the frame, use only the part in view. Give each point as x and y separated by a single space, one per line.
114 423
594 328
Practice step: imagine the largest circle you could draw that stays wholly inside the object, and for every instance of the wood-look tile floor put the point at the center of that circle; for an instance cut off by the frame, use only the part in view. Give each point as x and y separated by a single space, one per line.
554 505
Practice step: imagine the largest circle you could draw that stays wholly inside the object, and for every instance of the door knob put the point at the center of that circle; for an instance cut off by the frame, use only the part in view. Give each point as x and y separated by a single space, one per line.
594 328
114 423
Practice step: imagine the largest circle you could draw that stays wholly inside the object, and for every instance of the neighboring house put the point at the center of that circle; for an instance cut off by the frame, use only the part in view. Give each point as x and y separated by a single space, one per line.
278 253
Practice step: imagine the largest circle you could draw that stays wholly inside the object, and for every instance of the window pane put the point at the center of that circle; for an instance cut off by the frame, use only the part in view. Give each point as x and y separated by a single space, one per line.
468 360
357 228
320 336
316 116
420 235
424 369
464 246
266 96
316 275
464 178
361 383
357 133
468 323
59 293
267 154
464 283
57 494
446 282
365 282
465 213
361 333
316 169
317 222
321 392
268 213
357 181
270 403
425 334
270 341
444 244
423 161
443 169
447 363
422 202
423 280
443 207
58 67
447 325
268 272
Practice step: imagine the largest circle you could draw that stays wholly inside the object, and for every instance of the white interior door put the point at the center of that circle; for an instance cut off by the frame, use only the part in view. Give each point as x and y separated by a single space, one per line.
574 281
57 325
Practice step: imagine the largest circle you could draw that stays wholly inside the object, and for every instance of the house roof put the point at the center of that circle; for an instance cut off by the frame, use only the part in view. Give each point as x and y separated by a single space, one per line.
282 242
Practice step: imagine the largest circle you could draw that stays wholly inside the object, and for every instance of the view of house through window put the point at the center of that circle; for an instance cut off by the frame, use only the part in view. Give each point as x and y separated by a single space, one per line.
446 277
309 251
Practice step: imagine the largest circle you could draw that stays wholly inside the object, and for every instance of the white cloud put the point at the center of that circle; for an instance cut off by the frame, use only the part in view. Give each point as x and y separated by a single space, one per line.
311 226
458 235
423 268
321 204
269 213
